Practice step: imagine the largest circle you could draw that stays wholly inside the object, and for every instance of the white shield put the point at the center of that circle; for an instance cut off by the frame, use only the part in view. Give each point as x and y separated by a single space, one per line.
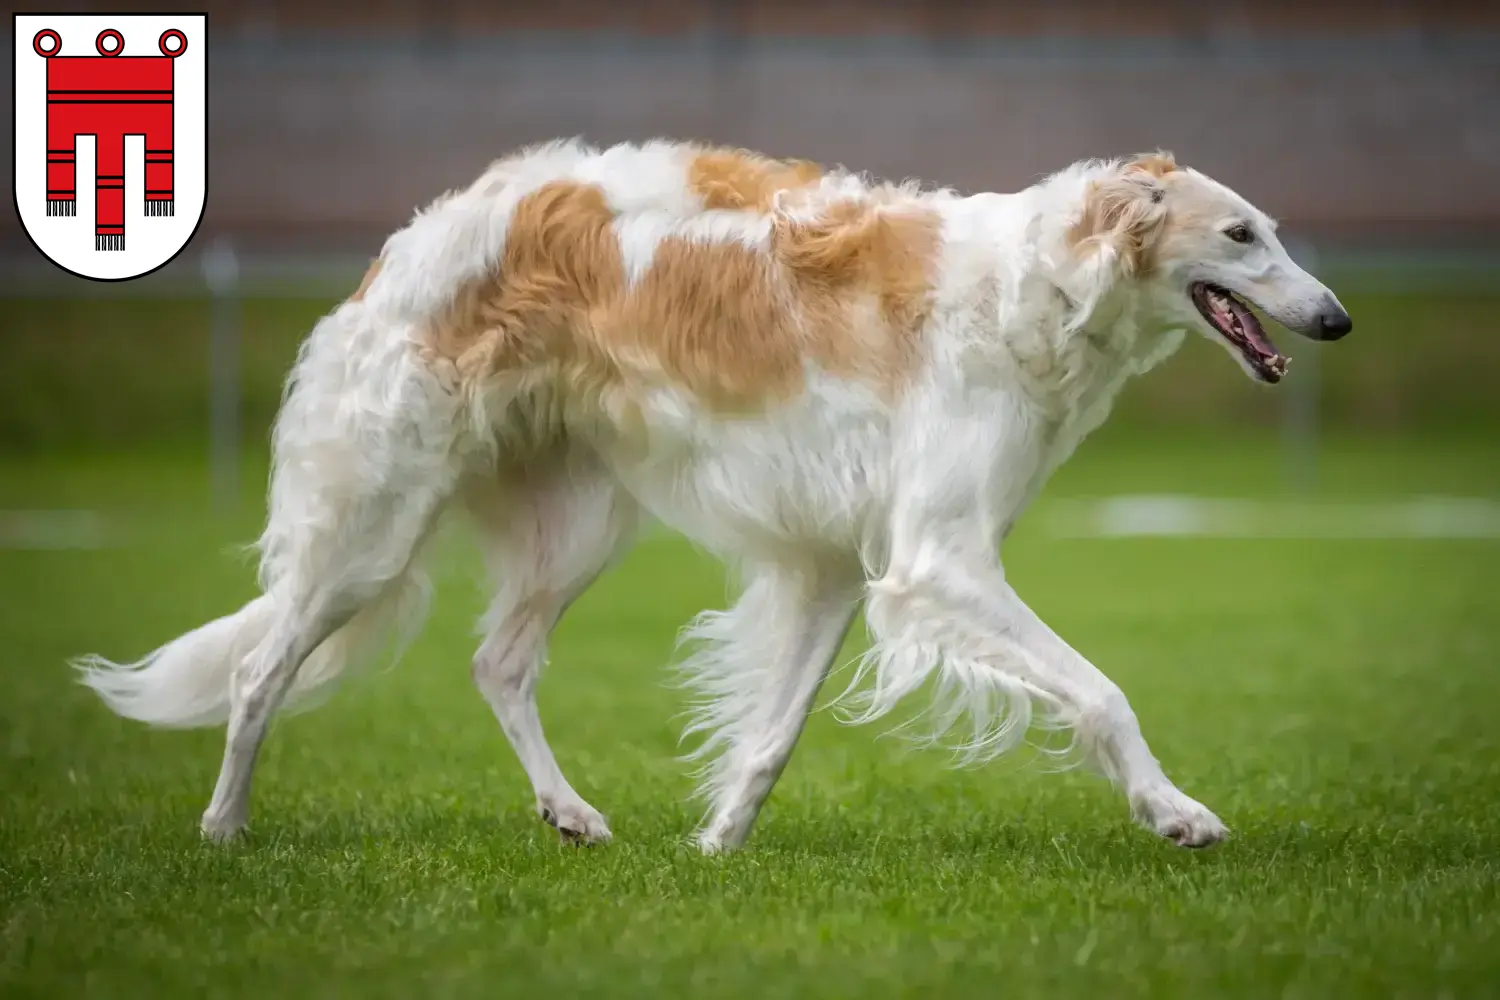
111 138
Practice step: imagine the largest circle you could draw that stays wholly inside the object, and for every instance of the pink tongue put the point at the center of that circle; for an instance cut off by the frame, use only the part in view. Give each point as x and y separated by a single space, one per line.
1254 335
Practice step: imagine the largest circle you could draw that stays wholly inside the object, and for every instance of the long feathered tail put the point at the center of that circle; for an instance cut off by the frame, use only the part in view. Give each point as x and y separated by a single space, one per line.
185 683
362 458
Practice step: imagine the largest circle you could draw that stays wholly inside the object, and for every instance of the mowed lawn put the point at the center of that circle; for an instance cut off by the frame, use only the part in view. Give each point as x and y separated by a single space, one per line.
1334 700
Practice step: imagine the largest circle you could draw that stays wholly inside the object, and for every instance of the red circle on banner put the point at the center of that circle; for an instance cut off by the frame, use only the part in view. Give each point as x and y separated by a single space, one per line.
36 43
110 33
161 43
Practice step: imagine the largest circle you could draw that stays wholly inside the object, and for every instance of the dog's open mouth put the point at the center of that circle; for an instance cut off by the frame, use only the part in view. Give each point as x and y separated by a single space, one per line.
1238 325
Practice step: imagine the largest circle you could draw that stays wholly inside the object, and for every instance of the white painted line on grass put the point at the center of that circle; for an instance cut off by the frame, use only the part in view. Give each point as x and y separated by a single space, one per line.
1187 516
1125 516
51 530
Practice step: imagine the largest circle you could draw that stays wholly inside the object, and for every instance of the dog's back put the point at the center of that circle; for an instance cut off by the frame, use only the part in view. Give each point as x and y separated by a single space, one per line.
718 276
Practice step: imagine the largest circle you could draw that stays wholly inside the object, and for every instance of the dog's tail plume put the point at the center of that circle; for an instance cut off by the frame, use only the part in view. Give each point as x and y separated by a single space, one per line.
186 682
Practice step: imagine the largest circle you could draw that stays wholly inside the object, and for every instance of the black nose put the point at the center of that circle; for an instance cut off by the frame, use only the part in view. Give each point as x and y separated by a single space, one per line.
1334 323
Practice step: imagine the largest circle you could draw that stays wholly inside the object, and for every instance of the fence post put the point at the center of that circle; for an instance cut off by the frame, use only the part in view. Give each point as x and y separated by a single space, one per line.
1300 424
221 273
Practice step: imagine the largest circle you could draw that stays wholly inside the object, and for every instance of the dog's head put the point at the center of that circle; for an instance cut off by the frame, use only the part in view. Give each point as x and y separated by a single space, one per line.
1203 256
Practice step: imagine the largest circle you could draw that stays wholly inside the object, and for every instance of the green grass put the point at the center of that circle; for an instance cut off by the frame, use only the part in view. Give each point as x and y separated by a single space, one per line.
1334 701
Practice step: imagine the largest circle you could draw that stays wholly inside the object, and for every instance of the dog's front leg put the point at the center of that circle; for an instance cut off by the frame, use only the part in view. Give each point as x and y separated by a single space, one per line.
943 603
985 639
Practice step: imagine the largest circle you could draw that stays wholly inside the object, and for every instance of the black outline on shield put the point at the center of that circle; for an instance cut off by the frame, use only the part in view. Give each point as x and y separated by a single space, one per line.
15 195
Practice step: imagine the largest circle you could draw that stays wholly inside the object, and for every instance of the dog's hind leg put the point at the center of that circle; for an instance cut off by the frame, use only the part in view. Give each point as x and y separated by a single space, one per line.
366 454
549 532
758 671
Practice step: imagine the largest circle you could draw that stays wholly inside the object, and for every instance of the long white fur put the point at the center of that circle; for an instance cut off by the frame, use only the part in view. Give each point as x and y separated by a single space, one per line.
835 496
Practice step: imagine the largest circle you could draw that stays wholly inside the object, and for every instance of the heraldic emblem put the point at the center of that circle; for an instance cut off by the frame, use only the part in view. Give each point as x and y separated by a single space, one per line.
140 83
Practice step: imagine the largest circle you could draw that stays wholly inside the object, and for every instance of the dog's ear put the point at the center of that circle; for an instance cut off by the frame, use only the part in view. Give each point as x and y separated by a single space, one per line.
1123 214
1118 227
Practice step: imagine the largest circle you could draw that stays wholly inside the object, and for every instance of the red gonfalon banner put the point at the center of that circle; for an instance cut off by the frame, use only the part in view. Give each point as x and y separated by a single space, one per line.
109 96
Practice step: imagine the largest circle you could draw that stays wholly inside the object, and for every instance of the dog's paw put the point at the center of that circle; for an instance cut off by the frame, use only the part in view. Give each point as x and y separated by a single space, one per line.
710 843
221 829
576 822
1180 819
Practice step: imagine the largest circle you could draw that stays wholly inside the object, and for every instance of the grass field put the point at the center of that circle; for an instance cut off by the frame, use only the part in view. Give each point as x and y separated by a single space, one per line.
1334 701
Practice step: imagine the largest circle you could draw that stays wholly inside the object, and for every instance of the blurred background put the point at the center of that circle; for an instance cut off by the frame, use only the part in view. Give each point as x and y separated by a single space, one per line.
1372 130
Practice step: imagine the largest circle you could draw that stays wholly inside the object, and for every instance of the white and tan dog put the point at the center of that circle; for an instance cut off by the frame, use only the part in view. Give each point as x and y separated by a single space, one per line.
850 389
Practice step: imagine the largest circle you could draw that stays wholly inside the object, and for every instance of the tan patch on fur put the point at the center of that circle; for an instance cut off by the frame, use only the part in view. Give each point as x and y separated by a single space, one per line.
854 256
714 317
734 325
848 291
560 265
364 283
737 179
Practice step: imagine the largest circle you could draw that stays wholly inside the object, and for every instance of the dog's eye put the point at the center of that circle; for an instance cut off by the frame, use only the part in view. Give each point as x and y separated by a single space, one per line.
1239 233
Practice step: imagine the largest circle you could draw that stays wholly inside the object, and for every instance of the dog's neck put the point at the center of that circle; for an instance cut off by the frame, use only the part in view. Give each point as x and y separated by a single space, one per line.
1101 329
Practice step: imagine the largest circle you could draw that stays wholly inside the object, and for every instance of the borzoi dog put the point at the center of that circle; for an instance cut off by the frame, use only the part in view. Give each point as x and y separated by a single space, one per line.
851 389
